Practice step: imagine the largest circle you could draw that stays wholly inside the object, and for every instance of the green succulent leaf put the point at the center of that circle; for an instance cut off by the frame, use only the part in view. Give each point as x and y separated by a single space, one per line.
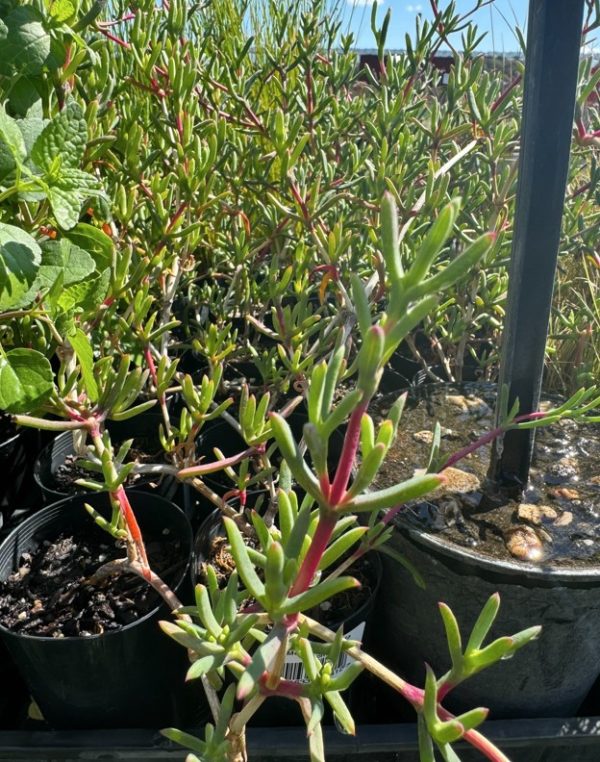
433 243
341 711
85 354
243 564
262 661
391 496
317 594
484 622
452 635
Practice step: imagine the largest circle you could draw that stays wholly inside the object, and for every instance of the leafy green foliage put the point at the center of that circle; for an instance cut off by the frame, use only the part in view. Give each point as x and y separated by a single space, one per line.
20 260
26 380
215 203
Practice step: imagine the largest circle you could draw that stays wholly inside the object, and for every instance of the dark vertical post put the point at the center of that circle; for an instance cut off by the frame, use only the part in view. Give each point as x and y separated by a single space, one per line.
552 59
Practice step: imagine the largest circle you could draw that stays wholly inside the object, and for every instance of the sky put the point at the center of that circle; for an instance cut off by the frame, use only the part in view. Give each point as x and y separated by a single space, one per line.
497 20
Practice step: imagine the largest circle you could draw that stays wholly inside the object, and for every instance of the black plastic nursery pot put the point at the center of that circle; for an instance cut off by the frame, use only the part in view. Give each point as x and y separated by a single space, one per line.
550 677
129 677
18 450
143 429
13 461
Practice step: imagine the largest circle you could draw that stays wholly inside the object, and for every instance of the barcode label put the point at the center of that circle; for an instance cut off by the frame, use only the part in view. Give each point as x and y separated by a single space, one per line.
293 668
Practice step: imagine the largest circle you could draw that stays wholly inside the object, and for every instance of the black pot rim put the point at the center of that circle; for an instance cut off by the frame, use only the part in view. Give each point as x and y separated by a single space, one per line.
542 573
144 480
72 638
10 440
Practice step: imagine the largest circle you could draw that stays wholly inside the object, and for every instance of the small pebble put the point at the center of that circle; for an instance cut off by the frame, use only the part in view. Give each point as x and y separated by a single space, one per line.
565 492
471 405
458 480
564 519
426 437
458 400
523 543
535 514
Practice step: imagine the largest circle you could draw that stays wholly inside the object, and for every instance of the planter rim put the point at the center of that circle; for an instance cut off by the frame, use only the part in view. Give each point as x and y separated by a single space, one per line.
10 440
57 494
543 574
83 498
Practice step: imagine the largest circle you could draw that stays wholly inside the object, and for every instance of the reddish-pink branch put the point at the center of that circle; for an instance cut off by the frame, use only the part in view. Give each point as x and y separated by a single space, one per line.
133 527
477 740
151 365
153 374
487 438
348 456
285 688
112 37
217 465
313 557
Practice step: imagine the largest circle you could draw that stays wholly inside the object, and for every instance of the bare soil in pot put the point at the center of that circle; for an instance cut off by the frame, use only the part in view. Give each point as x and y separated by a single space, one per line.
52 593
555 522
63 478
81 671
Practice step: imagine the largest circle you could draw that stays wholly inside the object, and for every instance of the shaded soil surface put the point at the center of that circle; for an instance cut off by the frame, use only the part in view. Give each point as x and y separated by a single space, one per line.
556 520
50 593
144 450
330 613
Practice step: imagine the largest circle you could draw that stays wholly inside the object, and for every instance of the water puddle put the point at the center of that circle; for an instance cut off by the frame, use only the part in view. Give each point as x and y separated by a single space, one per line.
556 520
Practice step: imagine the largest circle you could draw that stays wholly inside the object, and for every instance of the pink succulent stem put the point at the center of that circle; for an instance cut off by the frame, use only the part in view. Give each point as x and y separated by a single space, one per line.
134 528
348 456
416 696
217 465
487 438
285 688
151 365
162 400
313 557
477 741
112 37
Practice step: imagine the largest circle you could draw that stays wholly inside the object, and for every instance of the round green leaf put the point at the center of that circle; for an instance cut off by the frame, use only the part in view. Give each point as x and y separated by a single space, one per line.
20 259
26 380
27 44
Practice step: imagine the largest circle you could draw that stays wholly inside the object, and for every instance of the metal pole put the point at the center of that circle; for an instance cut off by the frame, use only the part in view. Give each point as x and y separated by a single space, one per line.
551 64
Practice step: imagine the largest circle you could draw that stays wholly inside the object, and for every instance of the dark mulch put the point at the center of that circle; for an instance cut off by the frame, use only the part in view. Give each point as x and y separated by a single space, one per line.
50 594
